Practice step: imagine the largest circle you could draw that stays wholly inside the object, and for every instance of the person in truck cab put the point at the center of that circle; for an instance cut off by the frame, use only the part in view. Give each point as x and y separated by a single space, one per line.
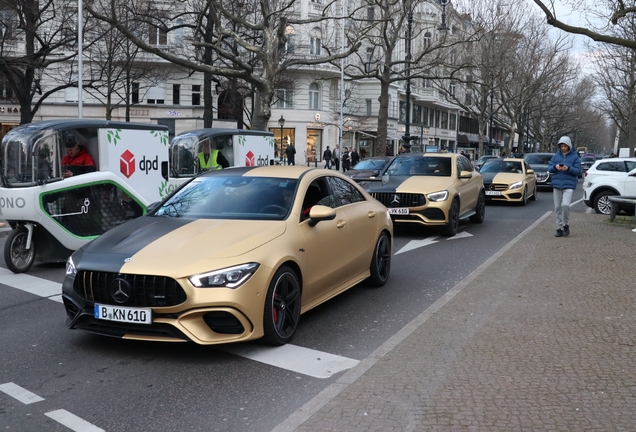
213 160
77 161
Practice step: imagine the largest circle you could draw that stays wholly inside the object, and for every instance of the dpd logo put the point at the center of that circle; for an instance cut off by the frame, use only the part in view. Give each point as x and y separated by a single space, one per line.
251 160
127 163
147 164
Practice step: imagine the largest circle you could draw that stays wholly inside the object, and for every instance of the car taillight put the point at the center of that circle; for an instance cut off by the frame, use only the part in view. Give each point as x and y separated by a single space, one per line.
585 174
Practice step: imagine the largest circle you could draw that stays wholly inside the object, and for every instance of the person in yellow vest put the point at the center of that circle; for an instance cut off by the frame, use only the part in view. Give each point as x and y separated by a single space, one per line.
211 161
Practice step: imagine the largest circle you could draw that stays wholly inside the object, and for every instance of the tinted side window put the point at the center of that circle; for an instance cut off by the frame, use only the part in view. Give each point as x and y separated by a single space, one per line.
611 166
344 191
466 165
630 165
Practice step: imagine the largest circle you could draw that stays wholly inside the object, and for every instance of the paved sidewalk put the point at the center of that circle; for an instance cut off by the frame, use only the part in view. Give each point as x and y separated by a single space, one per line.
540 338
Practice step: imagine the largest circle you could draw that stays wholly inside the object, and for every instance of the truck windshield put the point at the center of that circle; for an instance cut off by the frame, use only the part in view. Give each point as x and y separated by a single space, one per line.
29 157
182 155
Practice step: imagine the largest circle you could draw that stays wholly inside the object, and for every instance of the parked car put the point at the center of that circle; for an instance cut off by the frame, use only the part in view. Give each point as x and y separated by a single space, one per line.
509 179
587 160
479 162
233 255
608 177
431 189
369 168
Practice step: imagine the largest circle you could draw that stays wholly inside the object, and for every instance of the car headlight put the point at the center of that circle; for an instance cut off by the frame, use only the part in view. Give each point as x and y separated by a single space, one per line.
542 176
516 185
70 267
438 196
231 277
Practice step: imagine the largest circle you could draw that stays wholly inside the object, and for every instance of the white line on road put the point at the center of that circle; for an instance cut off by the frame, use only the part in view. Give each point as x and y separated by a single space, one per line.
17 392
31 284
72 421
306 361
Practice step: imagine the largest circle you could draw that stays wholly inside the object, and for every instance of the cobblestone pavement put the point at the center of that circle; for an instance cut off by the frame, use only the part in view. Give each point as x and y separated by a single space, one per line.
543 339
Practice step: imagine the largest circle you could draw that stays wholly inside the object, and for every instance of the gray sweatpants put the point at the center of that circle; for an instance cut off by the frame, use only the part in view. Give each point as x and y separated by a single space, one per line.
562 199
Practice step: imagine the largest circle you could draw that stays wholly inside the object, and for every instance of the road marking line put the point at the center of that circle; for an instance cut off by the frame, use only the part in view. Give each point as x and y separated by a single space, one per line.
19 393
414 244
31 284
72 421
306 361
459 235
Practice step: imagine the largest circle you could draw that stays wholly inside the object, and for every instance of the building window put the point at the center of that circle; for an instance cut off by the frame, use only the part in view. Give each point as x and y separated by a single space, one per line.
156 95
176 94
284 97
314 96
452 122
402 112
444 120
196 95
427 40
315 43
370 13
425 122
438 114
134 93
368 104
417 114
469 99
290 44
157 36
452 88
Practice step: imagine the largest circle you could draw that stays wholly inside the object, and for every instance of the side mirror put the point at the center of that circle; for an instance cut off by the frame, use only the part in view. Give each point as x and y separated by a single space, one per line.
530 171
320 213
465 174
164 170
375 173
153 206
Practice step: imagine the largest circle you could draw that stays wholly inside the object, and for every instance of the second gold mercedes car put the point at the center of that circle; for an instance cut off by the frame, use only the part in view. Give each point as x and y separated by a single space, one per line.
510 180
233 255
431 189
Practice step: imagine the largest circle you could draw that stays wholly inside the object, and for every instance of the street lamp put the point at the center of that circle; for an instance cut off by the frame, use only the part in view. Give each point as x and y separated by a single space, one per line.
281 122
407 135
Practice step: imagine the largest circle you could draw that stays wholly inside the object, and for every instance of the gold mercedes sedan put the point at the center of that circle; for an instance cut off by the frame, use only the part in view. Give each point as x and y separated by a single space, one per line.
430 189
231 256
510 180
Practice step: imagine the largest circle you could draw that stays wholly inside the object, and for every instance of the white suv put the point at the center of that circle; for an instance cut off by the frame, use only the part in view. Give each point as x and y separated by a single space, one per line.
607 177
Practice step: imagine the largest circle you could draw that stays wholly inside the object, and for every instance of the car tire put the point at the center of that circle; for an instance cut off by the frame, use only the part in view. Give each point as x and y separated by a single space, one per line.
480 209
524 198
602 204
282 307
534 193
450 229
16 256
381 262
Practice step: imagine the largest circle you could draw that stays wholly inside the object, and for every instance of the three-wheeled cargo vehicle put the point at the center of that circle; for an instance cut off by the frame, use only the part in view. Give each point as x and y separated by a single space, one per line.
51 215
194 151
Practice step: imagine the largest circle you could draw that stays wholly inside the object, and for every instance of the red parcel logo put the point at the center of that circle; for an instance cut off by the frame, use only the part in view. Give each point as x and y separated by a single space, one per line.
127 163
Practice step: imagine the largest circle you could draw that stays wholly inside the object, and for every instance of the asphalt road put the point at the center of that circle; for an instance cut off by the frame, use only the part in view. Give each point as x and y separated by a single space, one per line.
55 379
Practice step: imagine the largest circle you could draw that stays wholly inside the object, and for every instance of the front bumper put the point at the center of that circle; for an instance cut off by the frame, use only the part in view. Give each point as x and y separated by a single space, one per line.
500 192
208 315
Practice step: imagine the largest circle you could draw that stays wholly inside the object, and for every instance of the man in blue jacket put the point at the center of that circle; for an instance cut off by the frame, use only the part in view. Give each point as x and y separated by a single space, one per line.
565 167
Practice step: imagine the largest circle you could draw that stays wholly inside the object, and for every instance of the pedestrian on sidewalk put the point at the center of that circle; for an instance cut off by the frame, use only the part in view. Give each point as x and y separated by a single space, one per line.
291 154
565 167
326 155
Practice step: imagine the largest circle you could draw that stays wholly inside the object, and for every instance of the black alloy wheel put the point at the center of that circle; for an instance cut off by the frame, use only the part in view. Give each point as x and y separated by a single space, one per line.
534 193
19 259
453 219
480 209
282 307
381 262
524 198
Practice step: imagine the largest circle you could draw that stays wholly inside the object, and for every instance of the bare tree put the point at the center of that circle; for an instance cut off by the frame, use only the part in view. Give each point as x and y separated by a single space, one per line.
37 41
259 31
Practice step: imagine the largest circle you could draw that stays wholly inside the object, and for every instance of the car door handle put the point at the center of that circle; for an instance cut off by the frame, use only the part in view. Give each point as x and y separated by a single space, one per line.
371 215
341 224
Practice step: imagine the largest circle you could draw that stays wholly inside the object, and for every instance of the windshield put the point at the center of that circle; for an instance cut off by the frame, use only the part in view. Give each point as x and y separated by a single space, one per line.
539 159
29 156
182 154
421 166
232 197
370 164
500 166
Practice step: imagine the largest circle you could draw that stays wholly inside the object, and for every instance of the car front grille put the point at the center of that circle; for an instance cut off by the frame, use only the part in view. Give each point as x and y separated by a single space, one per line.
128 290
393 199
497 187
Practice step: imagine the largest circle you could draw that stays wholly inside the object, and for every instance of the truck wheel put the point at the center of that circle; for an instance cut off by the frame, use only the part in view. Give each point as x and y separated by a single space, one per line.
18 258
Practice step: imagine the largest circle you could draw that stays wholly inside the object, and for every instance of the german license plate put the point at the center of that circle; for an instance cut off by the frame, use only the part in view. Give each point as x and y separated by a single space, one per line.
493 193
398 211
123 314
